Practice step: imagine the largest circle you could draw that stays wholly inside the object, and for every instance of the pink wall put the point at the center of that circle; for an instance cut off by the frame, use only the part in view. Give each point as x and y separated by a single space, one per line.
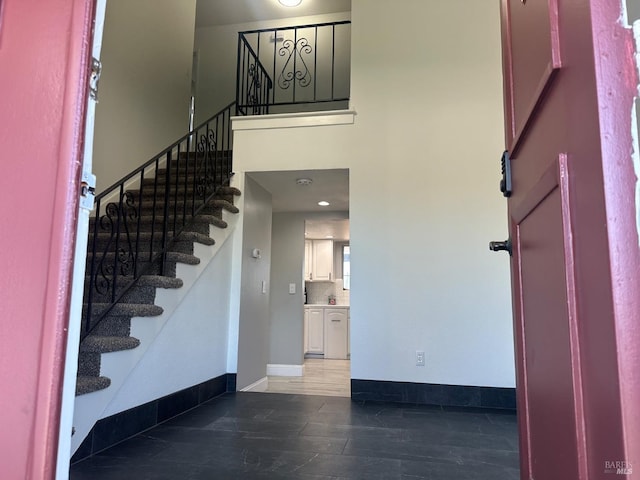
43 60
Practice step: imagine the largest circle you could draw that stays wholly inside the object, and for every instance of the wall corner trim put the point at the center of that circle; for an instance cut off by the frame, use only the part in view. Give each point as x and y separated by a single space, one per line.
460 396
291 120
123 425
277 370
259 386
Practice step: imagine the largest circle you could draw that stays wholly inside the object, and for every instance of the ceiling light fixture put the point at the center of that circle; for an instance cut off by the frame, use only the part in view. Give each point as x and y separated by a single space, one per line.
324 203
290 3
304 181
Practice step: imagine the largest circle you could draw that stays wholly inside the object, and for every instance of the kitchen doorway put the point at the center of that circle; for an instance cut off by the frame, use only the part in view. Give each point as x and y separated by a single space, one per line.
309 301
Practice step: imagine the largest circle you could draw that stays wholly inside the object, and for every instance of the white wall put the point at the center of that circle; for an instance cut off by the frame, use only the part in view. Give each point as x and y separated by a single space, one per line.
424 168
192 346
217 49
146 83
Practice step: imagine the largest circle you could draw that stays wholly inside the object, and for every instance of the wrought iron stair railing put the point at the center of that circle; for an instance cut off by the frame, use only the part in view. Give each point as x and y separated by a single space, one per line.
139 217
298 65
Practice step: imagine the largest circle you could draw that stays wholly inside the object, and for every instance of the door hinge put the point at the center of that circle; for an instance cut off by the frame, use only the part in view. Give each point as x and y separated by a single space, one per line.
87 190
94 78
505 183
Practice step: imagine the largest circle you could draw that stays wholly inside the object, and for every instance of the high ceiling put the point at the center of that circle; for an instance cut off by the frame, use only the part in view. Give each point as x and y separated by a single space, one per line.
223 12
329 185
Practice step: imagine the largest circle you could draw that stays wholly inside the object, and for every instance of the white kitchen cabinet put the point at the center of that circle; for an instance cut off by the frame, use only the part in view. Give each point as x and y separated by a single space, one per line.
315 331
318 260
308 259
336 333
348 332
305 330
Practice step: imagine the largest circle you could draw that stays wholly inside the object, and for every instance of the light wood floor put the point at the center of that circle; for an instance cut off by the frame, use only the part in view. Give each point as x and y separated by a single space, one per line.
321 377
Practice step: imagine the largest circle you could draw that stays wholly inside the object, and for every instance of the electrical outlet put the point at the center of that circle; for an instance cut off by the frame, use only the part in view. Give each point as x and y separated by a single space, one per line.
419 358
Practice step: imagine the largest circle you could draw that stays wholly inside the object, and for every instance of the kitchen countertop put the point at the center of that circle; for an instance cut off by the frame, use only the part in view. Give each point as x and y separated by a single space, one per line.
323 305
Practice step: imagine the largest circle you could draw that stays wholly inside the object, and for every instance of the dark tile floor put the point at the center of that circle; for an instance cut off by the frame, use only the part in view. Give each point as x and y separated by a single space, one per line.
275 436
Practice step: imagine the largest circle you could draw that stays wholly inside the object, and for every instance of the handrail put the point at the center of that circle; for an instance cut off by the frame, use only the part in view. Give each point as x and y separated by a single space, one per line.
164 194
299 27
306 64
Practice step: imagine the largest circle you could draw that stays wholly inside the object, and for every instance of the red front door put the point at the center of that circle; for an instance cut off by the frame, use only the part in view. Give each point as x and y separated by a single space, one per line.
572 404
44 65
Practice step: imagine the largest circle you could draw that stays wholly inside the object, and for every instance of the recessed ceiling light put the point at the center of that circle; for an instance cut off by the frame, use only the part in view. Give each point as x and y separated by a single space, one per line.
290 3
304 181
329 236
324 203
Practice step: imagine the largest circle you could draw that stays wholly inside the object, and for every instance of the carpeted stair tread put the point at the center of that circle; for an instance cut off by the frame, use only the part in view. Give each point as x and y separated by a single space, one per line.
113 326
149 280
149 193
183 258
171 257
86 384
229 191
192 154
89 364
148 204
197 237
100 344
147 220
183 172
213 220
130 309
160 281
228 206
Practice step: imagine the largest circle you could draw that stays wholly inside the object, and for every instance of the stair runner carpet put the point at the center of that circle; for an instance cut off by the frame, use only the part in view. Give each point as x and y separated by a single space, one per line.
113 333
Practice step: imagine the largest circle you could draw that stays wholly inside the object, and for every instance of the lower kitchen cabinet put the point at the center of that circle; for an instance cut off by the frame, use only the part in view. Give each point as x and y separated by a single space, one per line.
326 331
315 332
305 330
336 330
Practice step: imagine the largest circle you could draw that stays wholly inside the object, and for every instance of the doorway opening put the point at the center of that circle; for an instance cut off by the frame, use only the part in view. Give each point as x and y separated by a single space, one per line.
311 217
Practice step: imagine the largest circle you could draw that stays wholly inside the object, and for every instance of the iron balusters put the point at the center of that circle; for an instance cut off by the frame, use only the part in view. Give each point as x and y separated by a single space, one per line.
139 218
309 64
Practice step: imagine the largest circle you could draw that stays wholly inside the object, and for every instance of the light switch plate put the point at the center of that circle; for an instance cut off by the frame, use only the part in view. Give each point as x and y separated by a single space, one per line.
292 288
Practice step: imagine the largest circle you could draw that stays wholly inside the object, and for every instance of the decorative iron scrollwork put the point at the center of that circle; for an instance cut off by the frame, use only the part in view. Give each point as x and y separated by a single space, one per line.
255 84
118 256
204 168
120 251
295 59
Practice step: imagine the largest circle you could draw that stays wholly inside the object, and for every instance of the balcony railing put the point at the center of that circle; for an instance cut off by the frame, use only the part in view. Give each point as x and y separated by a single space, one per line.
284 67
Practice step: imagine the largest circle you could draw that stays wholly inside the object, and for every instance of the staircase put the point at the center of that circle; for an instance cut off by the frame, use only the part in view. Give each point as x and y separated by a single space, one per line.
143 227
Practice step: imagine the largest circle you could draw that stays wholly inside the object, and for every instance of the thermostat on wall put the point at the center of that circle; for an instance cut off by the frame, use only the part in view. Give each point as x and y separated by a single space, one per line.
255 253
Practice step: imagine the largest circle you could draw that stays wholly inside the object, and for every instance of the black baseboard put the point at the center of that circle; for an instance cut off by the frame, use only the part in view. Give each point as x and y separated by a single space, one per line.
434 394
116 428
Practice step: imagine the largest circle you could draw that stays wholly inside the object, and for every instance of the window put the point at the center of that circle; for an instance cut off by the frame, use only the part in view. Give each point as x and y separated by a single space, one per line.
346 267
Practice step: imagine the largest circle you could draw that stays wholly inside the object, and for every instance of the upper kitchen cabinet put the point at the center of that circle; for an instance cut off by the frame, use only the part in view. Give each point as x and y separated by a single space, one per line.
308 259
318 261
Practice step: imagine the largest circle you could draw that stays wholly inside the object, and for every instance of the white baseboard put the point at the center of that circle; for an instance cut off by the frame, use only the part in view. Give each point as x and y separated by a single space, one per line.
285 370
259 386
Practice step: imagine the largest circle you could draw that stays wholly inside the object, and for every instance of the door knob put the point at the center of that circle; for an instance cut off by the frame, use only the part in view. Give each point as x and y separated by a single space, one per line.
498 246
